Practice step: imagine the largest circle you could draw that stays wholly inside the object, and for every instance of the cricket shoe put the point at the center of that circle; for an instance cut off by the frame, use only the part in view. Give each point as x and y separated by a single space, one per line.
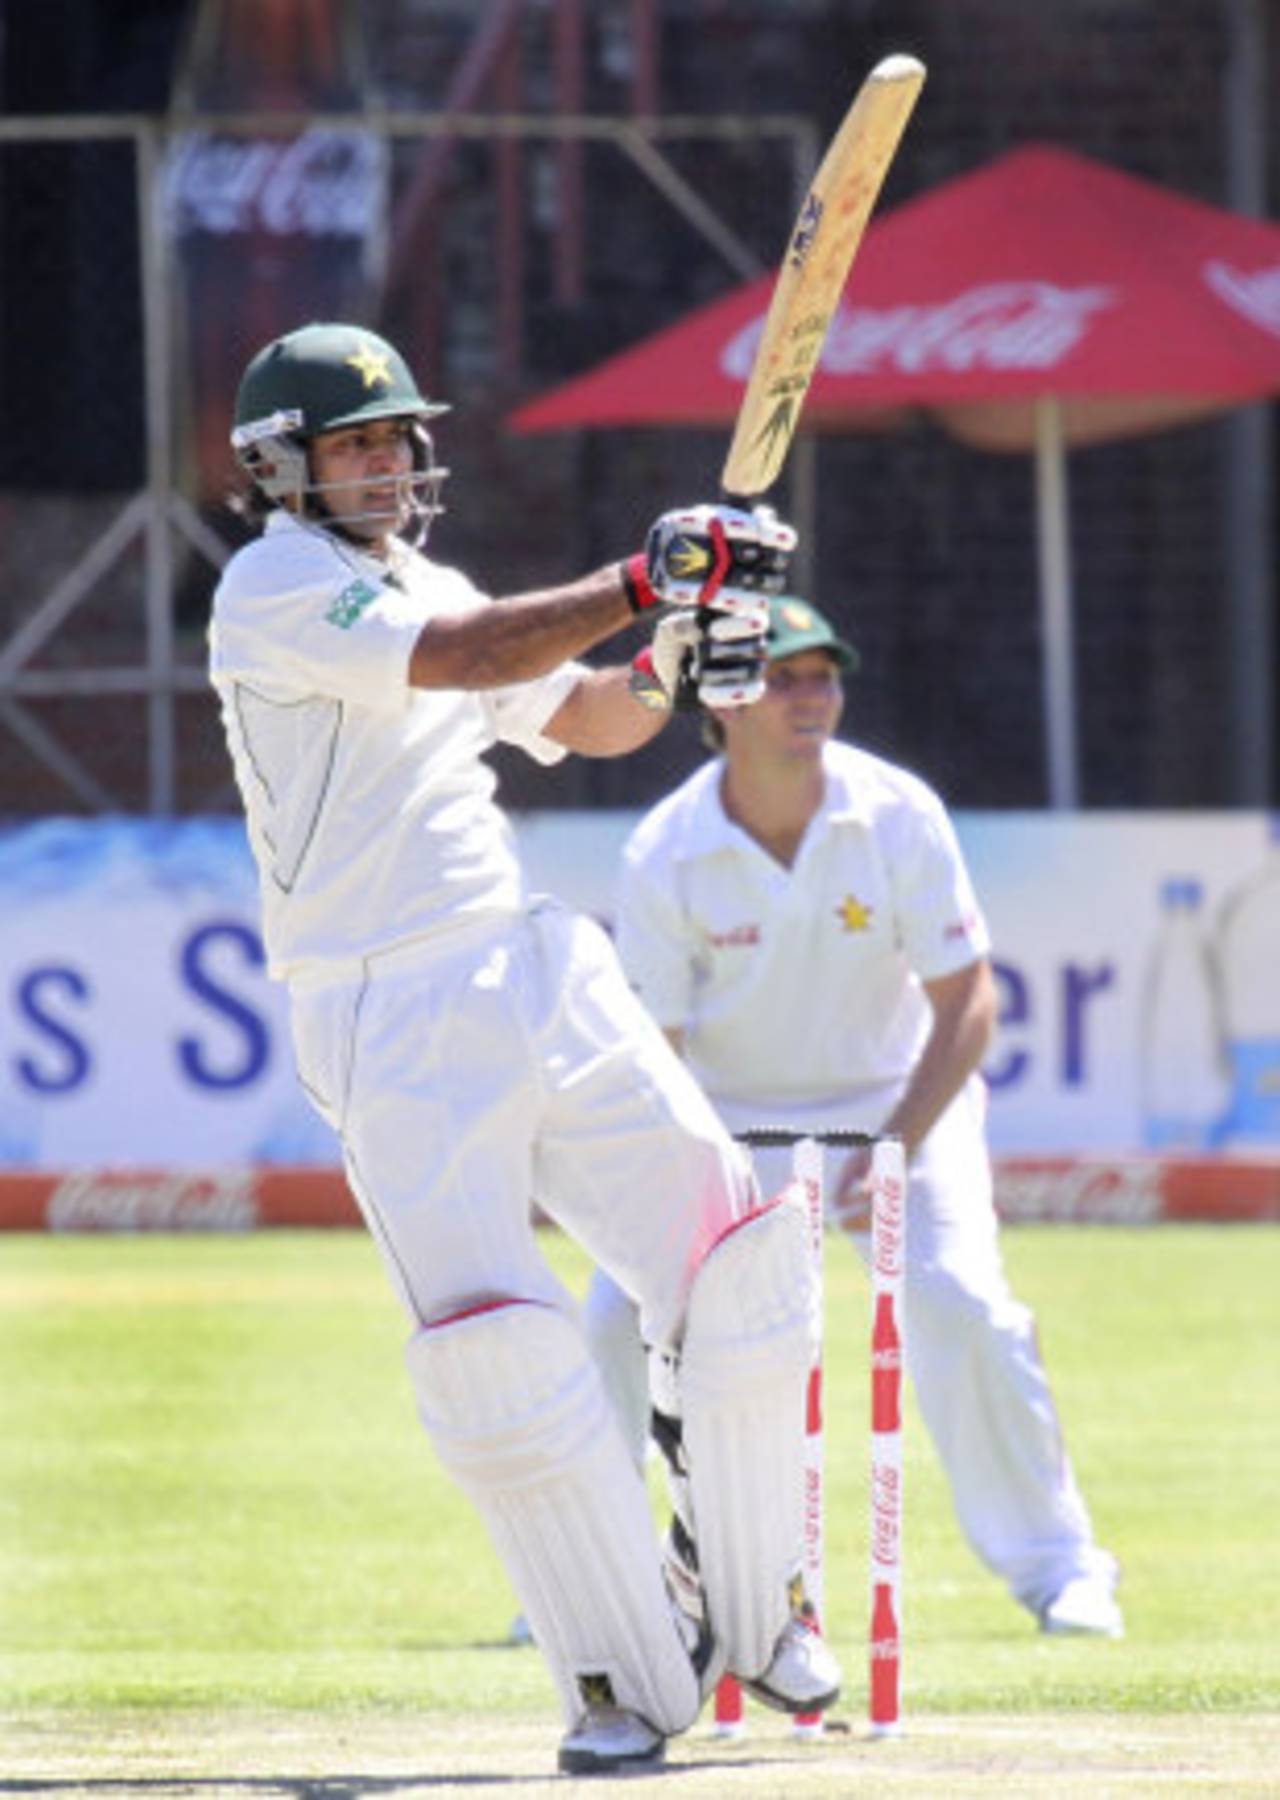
608 1740
804 1677
1085 1607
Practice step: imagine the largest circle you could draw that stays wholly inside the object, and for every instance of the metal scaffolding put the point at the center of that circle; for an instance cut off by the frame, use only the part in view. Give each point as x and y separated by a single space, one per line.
159 515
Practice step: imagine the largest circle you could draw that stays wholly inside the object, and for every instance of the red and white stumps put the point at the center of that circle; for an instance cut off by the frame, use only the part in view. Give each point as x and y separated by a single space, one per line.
729 1712
807 1173
888 1247
887 1257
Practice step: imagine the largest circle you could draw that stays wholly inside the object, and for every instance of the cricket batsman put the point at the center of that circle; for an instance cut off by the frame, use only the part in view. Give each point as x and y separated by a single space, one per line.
471 1044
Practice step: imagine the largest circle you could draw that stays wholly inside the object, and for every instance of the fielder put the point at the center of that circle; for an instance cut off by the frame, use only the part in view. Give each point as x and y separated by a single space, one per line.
799 919
471 1043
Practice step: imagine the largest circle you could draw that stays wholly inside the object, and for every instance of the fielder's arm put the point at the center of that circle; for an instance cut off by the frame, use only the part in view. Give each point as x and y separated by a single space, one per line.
964 1018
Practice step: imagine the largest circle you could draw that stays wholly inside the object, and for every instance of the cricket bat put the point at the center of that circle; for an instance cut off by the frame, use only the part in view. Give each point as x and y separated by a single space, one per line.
819 255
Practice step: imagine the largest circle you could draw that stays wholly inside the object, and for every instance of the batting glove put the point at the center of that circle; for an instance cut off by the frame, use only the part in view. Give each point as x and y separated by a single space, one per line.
700 659
713 556
728 663
660 673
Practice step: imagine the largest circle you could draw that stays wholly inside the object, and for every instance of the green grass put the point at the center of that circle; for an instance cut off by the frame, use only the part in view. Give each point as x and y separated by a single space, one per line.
214 1492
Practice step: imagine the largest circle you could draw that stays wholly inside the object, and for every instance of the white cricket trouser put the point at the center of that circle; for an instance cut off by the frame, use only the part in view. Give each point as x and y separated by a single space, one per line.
468 1073
971 1349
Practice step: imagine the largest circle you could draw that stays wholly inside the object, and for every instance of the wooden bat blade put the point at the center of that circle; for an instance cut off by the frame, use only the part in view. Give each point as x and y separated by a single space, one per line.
824 241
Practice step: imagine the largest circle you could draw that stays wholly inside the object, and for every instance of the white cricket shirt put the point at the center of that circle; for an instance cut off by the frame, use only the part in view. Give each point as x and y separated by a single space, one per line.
370 813
798 986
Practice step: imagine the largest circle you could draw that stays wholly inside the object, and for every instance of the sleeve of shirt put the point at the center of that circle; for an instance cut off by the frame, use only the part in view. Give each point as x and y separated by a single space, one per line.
300 620
517 714
942 926
653 938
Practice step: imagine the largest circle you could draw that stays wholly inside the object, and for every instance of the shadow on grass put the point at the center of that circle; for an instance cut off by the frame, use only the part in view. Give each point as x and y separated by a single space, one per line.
290 1787
335 1787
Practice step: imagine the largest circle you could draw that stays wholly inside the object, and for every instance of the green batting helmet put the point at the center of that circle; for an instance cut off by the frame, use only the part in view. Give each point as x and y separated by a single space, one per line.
328 375
319 378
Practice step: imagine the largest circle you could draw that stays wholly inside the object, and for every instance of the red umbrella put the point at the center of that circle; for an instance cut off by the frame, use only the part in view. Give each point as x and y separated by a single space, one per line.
1044 300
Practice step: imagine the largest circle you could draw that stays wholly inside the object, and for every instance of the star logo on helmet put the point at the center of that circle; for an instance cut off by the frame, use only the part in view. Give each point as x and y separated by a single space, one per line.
370 366
685 558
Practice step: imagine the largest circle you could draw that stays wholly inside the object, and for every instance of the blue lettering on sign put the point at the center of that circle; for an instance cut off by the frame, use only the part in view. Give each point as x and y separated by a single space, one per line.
253 1044
1078 986
73 1062
1074 987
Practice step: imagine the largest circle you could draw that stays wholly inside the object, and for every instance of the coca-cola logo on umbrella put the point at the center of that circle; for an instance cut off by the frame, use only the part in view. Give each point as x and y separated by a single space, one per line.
1000 325
1040 302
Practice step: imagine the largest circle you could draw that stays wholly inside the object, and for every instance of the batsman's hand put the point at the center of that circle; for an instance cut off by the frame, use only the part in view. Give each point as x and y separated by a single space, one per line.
714 556
660 674
727 667
701 658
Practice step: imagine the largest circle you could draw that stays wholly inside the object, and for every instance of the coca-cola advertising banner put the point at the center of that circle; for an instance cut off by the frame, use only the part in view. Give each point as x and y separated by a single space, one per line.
993 325
1138 958
268 225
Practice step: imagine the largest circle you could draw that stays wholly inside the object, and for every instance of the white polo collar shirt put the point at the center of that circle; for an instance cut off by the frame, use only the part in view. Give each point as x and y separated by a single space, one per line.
370 811
799 986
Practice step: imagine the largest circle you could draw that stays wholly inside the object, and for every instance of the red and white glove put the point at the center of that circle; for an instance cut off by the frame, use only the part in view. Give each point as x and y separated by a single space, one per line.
718 557
659 674
701 658
728 662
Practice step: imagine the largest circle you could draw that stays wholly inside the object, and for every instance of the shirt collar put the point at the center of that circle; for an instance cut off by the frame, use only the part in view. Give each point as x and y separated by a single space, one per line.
708 826
844 800
281 519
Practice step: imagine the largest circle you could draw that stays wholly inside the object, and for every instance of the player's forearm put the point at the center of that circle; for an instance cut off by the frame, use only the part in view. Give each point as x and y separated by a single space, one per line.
601 717
963 1022
520 637
934 1085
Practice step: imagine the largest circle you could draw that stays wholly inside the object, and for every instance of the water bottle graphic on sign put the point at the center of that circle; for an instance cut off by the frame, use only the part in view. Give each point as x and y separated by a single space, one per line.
1249 958
1184 1081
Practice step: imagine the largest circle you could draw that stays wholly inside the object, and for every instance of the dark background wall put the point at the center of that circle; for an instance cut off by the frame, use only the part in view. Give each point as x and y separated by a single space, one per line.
927 548
70 337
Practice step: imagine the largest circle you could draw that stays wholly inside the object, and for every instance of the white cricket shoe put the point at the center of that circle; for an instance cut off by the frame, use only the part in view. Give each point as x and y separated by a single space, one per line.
1085 1607
607 1740
803 1677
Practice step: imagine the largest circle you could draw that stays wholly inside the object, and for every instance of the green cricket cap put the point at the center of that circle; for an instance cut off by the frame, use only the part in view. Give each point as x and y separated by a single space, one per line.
794 626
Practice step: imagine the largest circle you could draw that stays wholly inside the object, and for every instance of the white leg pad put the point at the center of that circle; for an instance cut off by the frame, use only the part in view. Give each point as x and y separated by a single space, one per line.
742 1374
517 1413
